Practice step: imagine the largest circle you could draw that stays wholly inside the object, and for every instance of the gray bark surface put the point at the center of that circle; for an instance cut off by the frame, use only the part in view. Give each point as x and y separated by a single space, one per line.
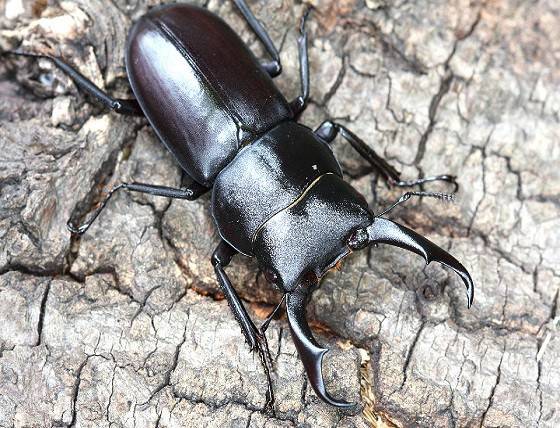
126 327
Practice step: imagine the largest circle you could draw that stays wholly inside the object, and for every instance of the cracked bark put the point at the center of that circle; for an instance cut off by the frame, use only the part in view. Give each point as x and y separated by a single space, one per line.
127 326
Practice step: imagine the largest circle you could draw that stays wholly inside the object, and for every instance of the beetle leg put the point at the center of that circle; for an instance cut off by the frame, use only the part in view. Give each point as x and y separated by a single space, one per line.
256 340
328 130
271 316
384 231
127 107
299 104
192 192
274 67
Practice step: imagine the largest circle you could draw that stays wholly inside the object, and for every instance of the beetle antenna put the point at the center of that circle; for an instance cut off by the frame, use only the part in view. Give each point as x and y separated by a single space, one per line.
445 197
447 178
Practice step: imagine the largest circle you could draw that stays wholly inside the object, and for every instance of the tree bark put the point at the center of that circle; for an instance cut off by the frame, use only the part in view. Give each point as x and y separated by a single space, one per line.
126 325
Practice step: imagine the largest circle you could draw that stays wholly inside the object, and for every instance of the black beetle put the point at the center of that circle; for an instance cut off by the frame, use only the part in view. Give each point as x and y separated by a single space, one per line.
277 189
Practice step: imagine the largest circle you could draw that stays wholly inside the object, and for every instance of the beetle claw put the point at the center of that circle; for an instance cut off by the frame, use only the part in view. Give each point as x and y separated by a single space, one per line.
310 351
77 230
269 404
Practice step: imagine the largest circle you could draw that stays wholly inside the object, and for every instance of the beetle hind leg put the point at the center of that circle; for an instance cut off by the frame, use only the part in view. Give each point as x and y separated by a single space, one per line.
255 337
128 107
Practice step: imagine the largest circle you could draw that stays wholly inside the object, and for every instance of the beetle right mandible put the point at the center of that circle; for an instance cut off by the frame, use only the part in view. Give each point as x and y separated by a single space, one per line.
278 193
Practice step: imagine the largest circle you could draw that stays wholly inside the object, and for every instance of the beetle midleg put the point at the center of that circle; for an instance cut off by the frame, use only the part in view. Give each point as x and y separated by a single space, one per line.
328 130
274 67
128 107
191 192
299 104
254 337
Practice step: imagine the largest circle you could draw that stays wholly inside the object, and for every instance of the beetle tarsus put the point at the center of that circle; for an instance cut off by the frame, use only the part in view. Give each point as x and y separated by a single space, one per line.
304 17
266 361
77 230
82 228
271 315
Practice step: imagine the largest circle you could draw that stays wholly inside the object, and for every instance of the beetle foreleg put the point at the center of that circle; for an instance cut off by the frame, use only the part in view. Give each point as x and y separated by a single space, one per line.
192 192
127 107
254 337
328 130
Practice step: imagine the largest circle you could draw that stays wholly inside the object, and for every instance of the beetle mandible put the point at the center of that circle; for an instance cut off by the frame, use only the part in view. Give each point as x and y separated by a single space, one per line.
277 190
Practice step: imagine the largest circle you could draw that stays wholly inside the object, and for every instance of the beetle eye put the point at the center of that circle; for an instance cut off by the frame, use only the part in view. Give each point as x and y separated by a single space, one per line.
358 240
271 276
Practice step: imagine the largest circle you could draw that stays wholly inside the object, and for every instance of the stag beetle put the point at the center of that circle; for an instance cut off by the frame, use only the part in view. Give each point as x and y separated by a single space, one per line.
278 193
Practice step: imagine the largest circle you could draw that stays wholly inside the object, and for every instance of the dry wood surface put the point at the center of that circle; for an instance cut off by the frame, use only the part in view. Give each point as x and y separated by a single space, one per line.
125 326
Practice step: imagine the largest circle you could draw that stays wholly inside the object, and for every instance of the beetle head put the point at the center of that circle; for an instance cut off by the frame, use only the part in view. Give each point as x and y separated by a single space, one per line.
311 235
